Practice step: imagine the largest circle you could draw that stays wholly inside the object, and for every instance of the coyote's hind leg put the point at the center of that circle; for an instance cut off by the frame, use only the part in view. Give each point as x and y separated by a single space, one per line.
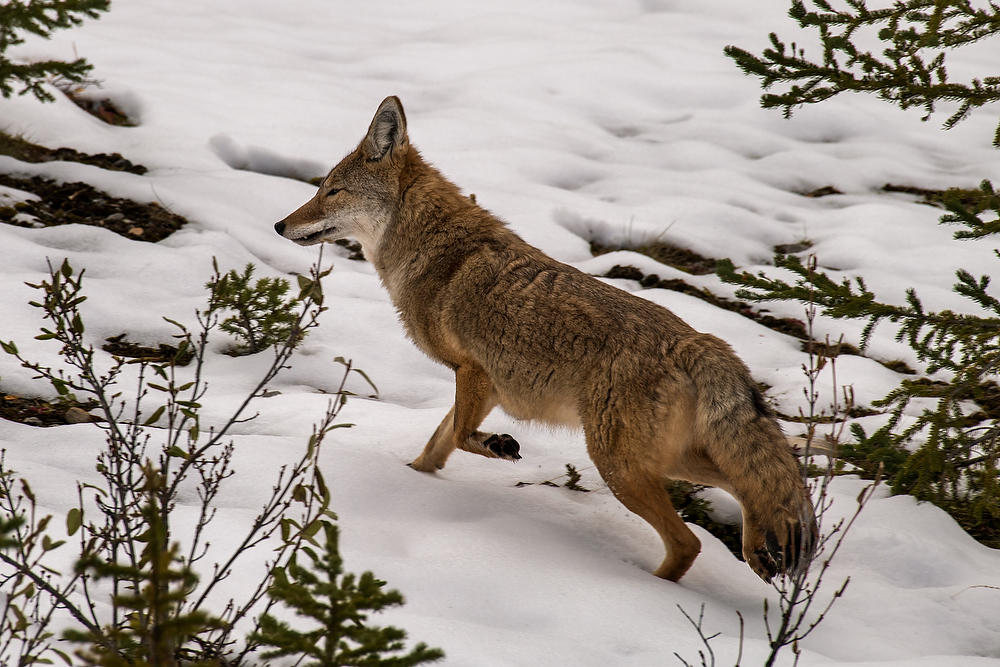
474 398
641 487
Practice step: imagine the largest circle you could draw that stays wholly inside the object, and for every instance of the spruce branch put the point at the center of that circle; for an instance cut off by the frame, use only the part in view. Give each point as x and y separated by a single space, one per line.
950 467
41 17
910 71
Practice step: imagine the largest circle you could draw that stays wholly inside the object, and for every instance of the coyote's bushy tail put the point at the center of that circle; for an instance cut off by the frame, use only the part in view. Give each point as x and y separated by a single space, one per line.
742 438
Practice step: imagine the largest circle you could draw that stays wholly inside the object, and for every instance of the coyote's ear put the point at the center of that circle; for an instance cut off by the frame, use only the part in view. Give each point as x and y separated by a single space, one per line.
387 132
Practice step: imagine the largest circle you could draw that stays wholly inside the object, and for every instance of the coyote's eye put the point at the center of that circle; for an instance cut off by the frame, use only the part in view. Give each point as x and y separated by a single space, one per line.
332 192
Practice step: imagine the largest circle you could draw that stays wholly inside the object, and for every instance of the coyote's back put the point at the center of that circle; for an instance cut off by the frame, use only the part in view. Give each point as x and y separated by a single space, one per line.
656 399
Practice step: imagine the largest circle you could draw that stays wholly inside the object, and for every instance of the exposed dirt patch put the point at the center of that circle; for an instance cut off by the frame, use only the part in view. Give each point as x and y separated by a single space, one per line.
830 350
66 203
932 197
39 412
854 412
80 203
101 108
971 198
824 191
665 253
975 200
163 353
25 151
792 248
899 366
986 395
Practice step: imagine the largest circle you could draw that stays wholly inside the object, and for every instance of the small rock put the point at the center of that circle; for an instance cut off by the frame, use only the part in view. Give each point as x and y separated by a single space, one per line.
33 421
115 217
77 415
136 231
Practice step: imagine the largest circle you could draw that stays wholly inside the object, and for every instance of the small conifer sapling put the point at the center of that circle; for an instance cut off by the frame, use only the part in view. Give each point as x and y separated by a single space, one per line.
334 607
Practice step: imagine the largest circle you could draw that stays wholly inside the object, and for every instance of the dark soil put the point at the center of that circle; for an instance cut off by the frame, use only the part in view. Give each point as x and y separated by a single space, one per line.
665 253
163 353
103 109
853 412
936 197
38 411
792 248
67 203
824 191
899 366
971 198
986 395
25 151
80 203
830 350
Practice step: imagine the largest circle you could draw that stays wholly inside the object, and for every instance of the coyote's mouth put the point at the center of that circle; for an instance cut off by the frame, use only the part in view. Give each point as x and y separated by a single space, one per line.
315 237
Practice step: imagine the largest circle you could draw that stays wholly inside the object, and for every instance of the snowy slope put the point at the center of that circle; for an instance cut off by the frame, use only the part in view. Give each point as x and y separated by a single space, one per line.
572 120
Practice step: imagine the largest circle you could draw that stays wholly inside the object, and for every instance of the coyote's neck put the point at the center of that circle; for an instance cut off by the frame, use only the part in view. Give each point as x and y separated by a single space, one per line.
422 232
425 195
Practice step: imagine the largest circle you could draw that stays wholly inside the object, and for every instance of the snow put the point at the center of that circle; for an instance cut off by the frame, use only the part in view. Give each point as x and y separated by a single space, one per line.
620 121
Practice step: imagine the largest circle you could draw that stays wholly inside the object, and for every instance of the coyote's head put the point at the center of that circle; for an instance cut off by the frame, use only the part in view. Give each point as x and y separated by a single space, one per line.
358 195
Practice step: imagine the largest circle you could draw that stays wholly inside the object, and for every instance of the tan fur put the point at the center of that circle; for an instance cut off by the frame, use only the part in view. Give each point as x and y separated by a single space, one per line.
657 400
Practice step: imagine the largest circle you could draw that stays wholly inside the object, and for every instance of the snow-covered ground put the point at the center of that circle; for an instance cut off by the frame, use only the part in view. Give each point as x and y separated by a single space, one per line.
571 119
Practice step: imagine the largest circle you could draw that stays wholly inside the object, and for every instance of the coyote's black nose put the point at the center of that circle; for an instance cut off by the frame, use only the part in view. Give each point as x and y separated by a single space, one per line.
280 227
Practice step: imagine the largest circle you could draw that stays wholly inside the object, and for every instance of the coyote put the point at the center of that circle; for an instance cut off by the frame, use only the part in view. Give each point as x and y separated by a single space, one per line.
657 400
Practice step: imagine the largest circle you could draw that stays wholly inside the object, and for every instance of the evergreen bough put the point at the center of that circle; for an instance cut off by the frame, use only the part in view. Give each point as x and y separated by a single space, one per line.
336 604
956 465
41 17
910 71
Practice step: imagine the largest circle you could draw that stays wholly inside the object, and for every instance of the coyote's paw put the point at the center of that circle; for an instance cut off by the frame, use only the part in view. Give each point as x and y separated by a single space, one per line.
786 551
503 446
766 561
423 465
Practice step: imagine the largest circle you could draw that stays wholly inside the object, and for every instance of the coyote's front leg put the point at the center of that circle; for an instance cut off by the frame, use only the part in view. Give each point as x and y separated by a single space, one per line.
474 398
